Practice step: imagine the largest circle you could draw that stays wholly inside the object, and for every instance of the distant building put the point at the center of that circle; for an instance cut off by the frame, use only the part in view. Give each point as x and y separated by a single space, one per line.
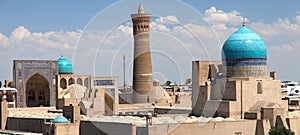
95 95
9 95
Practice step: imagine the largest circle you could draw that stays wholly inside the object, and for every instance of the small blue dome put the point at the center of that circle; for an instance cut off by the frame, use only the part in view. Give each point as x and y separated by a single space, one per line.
64 66
60 119
243 48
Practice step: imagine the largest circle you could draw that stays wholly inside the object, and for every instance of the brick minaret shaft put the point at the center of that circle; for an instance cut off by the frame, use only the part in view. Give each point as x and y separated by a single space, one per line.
142 66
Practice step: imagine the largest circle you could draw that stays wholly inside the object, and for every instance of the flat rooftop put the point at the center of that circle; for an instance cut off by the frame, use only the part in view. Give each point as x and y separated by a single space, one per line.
162 119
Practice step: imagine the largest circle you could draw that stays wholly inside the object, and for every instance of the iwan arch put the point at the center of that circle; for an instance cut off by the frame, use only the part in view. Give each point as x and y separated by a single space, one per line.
35 82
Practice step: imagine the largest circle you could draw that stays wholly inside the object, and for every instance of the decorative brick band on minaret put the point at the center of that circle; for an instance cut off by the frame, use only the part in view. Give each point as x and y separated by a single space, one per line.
142 66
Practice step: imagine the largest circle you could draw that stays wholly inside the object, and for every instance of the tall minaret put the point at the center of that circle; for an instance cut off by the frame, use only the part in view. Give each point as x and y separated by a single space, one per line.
142 66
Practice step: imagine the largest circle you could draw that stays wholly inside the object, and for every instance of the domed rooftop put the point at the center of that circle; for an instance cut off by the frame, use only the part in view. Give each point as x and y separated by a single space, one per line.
243 48
64 66
60 119
244 43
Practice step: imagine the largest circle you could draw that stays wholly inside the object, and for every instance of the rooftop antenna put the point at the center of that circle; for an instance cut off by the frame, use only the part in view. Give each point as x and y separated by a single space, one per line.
243 21
124 72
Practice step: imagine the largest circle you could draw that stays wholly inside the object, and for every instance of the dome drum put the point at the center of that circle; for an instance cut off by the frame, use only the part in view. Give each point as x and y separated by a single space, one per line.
242 71
246 62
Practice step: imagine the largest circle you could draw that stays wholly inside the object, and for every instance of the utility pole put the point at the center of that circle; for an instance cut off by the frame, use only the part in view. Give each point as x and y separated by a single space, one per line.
124 72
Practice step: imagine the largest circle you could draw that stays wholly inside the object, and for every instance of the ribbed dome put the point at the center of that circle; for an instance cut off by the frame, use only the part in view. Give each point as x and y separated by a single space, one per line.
64 66
244 48
60 119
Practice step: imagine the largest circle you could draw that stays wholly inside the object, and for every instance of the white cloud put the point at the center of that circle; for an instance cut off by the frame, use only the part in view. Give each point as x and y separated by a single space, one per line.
20 32
213 15
291 47
22 40
163 24
267 31
171 19
3 41
283 31
125 29
286 25
159 27
297 19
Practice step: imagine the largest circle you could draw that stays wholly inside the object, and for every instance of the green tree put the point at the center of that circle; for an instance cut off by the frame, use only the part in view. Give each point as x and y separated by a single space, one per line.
168 83
280 131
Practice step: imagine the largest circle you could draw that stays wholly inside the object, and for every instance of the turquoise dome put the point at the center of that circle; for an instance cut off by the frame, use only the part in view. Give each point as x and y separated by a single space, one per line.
64 66
244 48
60 119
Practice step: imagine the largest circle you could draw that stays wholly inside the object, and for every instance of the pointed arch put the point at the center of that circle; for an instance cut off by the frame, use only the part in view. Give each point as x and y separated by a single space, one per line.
86 82
63 83
71 81
259 87
79 81
37 91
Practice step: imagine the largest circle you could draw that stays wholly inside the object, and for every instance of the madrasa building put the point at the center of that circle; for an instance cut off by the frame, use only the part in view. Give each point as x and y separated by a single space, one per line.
238 87
53 83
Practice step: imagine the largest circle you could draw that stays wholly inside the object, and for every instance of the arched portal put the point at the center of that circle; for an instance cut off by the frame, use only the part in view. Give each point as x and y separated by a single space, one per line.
37 91
109 104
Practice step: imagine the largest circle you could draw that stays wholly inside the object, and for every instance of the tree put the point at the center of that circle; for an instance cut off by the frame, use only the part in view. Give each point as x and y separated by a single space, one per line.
168 83
280 131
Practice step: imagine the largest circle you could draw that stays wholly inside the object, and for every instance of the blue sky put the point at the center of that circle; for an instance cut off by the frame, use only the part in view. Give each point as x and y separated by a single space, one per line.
42 16
46 29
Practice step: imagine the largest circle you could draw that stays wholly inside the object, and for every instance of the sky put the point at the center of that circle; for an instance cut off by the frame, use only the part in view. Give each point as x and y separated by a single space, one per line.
94 35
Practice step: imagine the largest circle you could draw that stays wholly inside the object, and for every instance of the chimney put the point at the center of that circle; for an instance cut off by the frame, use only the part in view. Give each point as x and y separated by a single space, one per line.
273 75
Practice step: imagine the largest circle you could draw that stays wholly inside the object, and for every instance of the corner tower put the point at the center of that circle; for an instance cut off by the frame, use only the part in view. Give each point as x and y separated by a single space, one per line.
244 54
142 66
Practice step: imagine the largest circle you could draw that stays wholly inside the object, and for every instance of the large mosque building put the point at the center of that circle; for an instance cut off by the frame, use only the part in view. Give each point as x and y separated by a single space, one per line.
239 86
